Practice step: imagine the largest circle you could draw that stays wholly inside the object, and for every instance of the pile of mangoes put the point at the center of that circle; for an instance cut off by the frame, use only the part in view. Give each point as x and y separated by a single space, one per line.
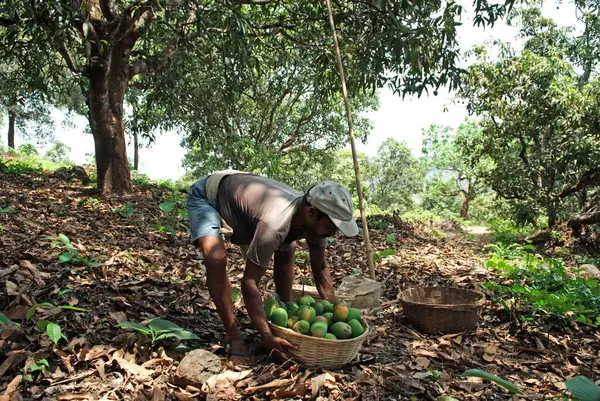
317 319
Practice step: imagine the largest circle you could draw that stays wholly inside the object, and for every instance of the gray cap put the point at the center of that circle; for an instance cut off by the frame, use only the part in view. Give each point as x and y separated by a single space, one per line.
335 201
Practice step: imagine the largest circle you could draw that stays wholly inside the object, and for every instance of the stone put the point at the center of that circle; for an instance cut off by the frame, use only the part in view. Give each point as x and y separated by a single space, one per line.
196 367
590 271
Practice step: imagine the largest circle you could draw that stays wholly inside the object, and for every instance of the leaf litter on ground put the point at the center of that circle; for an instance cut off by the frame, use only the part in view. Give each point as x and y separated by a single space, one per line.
145 274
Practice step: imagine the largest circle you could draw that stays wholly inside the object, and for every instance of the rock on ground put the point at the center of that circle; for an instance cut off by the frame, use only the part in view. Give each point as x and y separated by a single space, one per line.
196 367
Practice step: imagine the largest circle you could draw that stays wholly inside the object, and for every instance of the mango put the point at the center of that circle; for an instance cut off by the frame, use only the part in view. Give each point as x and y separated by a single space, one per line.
306 300
302 327
291 306
299 310
291 321
340 313
329 317
318 329
308 314
279 317
341 330
268 307
330 336
327 306
283 305
353 314
356 327
319 309
322 319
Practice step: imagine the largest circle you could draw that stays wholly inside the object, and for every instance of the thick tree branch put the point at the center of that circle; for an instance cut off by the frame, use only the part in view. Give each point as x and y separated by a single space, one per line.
149 64
285 147
66 55
588 179
108 9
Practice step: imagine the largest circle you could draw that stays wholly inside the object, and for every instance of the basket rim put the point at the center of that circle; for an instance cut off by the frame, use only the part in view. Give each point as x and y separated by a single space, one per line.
323 340
474 304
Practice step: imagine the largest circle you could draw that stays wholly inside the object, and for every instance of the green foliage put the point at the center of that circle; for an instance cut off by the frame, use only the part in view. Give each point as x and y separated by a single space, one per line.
378 255
506 231
27 149
583 388
8 210
300 257
394 176
31 164
38 366
127 210
59 152
71 254
538 116
540 290
510 387
53 330
5 320
454 177
160 329
174 211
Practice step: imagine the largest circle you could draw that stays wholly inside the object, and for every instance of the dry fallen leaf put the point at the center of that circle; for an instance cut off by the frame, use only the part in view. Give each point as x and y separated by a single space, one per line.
317 382
133 368
12 289
222 380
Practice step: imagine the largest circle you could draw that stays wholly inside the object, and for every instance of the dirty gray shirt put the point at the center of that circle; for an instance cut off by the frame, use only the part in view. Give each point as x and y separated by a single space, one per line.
259 210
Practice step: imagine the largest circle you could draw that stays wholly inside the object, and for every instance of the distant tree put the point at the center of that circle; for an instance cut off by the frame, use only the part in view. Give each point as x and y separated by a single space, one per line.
539 130
59 152
394 176
27 149
448 152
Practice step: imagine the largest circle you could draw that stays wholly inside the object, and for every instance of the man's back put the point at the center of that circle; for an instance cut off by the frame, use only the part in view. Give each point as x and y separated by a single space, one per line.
259 210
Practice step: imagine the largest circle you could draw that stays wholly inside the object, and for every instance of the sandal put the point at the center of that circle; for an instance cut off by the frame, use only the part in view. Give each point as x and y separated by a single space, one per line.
241 354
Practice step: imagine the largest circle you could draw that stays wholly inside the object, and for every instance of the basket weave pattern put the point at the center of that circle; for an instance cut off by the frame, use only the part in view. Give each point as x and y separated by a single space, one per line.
434 310
320 352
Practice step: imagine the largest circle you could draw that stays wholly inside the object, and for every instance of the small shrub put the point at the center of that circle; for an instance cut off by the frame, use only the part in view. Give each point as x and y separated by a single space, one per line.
160 329
540 290
508 232
27 149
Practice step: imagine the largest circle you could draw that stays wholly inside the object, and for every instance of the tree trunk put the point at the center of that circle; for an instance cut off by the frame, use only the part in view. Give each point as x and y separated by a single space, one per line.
464 209
106 95
136 157
552 215
11 127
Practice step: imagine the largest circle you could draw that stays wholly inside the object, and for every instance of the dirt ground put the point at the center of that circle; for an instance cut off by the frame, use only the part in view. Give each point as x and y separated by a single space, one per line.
125 269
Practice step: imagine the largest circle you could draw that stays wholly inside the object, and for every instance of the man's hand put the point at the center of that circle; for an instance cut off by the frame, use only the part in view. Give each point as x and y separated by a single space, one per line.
278 347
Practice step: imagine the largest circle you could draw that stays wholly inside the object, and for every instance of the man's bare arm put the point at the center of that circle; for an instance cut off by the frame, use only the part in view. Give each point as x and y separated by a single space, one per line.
321 273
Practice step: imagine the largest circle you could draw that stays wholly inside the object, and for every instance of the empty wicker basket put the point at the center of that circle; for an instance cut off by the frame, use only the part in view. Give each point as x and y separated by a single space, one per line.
435 310
319 352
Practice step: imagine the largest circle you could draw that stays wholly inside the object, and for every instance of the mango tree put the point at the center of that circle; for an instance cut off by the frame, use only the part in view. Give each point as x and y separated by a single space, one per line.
107 44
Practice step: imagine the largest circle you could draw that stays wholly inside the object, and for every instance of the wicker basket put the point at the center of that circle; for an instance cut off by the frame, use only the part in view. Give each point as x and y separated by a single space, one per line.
319 352
435 310
298 290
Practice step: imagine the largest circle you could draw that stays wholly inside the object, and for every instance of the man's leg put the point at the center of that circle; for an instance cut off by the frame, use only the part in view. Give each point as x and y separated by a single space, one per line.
219 288
283 271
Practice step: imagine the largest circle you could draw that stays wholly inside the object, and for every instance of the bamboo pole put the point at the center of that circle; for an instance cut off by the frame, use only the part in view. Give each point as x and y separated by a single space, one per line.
363 216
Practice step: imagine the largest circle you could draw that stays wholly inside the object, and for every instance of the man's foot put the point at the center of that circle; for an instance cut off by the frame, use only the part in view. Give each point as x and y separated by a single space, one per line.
239 354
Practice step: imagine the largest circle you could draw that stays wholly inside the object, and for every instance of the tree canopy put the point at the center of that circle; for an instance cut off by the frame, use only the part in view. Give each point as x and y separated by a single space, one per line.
539 117
109 45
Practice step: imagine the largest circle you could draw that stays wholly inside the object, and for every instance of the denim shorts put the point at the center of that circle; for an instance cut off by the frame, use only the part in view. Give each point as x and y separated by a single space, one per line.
205 220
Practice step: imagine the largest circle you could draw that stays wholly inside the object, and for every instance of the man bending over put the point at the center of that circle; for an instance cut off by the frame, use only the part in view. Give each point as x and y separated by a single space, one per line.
265 218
